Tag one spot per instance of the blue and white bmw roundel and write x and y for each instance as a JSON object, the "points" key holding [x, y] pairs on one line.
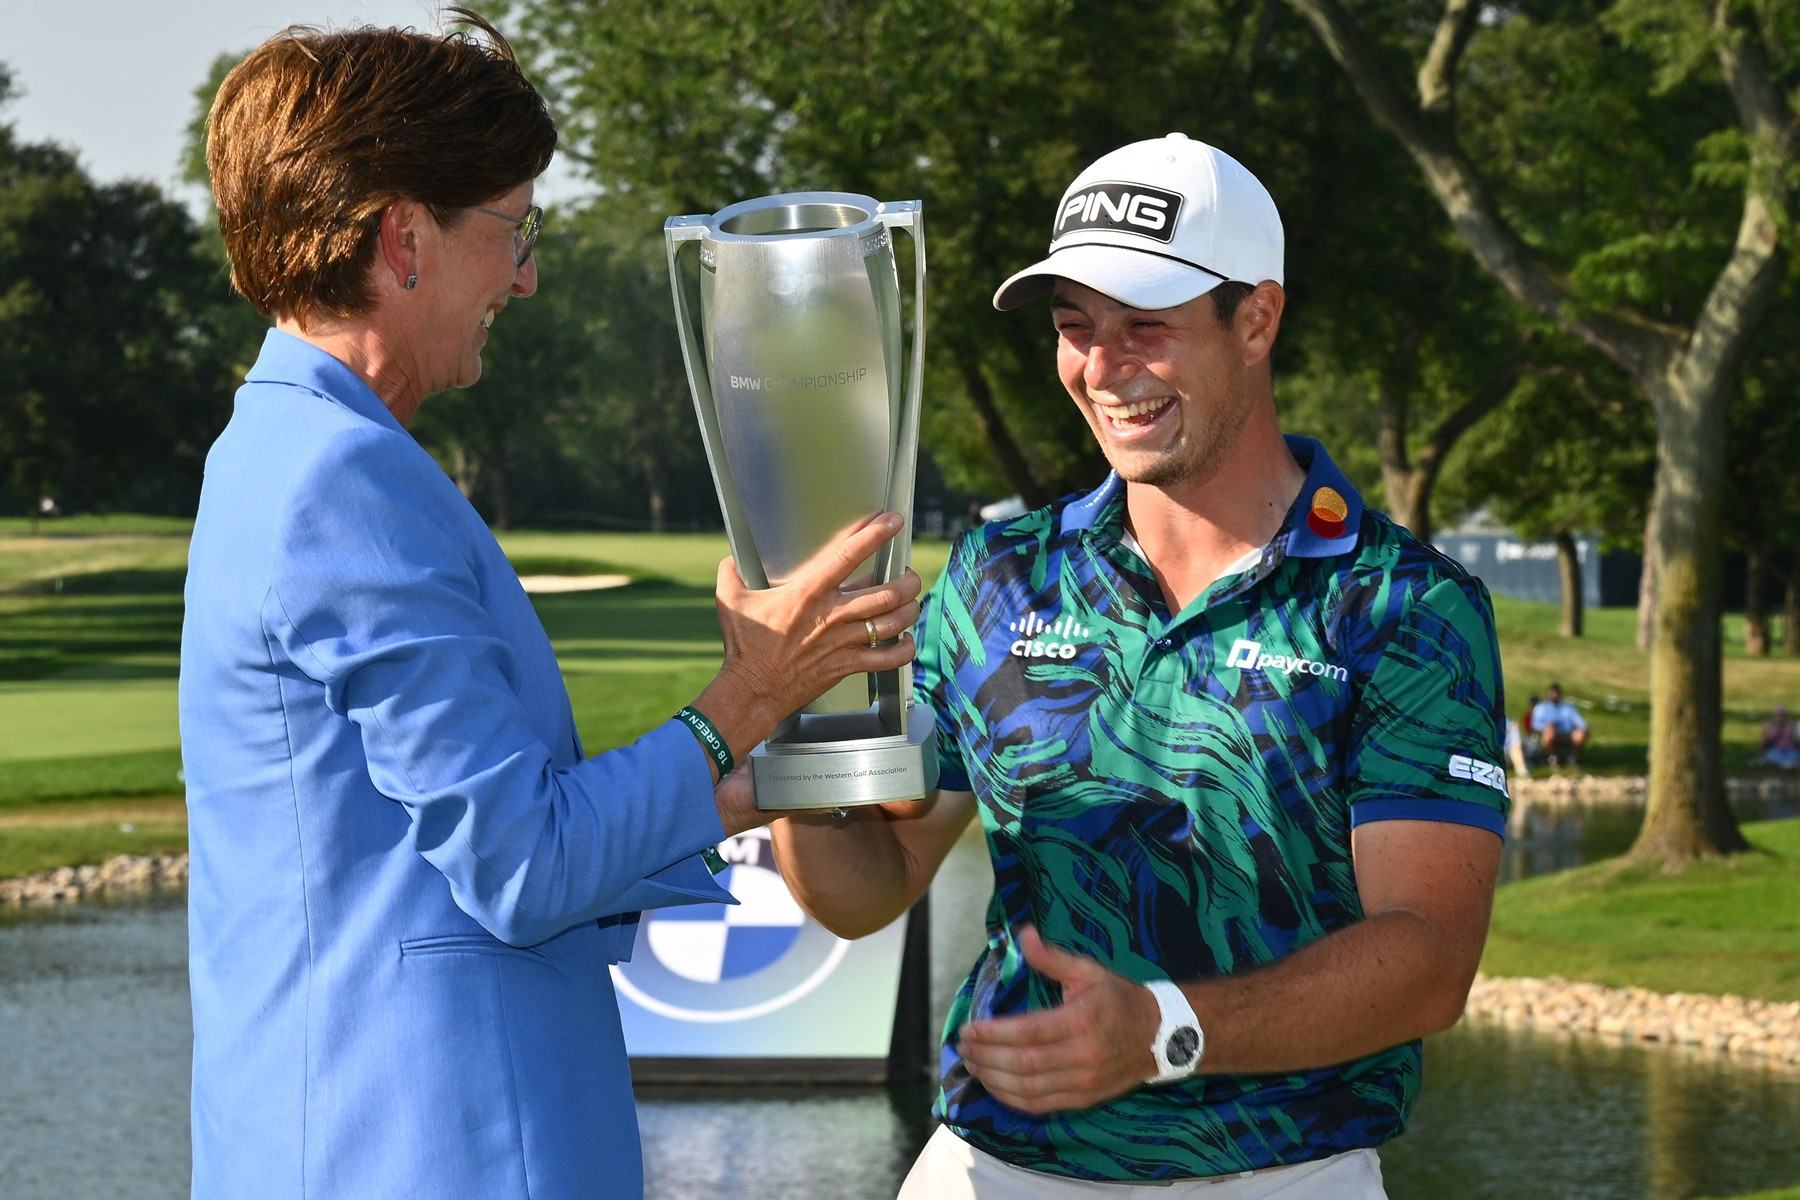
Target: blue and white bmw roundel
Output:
{"points": [[713, 942], [730, 962]]}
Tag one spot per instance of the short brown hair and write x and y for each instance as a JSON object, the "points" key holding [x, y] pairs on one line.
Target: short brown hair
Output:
{"points": [[1226, 297], [316, 132]]}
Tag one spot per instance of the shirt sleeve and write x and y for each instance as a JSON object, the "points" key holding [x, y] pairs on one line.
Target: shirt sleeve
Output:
{"points": [[1429, 725], [932, 669], [376, 600]]}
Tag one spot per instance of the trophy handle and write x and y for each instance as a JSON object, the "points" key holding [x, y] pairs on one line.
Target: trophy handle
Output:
{"points": [[677, 232], [897, 555], [893, 689]]}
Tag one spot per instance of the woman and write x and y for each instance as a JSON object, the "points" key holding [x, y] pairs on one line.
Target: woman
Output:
{"points": [[407, 882], [1779, 745]]}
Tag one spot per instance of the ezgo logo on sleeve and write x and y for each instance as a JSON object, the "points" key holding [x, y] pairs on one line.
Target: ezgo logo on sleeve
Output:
{"points": [[1247, 655], [1477, 771]]}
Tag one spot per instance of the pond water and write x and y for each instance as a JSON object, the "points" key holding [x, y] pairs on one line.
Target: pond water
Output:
{"points": [[94, 1044], [1544, 840]]}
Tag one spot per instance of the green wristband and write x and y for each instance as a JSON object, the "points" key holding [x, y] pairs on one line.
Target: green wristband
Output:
{"points": [[710, 741]]}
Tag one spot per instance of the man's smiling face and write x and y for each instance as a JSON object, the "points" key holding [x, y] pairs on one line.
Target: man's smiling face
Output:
{"points": [[1165, 391]]}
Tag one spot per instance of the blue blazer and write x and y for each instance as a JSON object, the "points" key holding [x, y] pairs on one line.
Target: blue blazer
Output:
{"points": [[407, 880]]}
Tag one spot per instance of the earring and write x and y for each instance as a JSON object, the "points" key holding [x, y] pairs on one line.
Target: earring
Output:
{"points": [[412, 281]]}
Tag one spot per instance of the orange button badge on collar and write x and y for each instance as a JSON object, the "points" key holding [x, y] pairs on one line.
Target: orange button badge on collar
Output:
{"points": [[1328, 512]]}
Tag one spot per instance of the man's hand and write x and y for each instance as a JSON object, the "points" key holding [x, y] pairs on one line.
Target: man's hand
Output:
{"points": [[1092, 1047], [736, 797]]}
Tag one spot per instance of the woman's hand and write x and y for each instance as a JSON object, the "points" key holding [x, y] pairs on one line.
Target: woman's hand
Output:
{"points": [[788, 644]]}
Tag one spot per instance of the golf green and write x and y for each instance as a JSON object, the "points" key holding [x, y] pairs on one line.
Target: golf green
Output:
{"points": [[61, 718]]}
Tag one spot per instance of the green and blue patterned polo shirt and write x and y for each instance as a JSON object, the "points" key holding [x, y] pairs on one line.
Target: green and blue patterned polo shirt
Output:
{"points": [[1173, 795]]}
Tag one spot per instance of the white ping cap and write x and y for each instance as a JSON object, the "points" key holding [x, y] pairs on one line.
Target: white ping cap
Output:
{"points": [[1155, 224]]}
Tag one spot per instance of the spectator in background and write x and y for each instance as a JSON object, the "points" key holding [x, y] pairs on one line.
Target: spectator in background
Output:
{"points": [[1531, 746], [1515, 747], [1560, 725], [1778, 743]]}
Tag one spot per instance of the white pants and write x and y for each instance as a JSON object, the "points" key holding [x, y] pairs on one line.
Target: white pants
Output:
{"points": [[951, 1169]]}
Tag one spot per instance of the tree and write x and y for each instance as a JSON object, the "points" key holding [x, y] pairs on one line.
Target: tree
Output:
{"points": [[1407, 342], [481, 432], [1661, 85], [1762, 507], [687, 106], [635, 406], [584, 381], [115, 350], [1572, 452], [985, 110]]}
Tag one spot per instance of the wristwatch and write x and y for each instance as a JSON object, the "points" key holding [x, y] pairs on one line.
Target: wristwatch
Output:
{"points": [[1180, 1043]]}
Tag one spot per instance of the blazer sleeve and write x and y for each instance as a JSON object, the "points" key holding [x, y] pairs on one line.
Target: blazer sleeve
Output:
{"points": [[374, 597]]}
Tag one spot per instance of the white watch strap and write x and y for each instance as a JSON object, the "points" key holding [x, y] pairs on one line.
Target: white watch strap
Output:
{"points": [[1180, 1043]]}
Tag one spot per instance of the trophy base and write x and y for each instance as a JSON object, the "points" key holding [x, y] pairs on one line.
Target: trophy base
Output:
{"points": [[791, 774]]}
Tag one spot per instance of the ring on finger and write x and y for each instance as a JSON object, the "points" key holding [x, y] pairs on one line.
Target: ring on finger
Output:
{"points": [[874, 637]]}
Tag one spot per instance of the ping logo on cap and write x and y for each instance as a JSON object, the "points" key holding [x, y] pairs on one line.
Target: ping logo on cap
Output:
{"points": [[1121, 208]]}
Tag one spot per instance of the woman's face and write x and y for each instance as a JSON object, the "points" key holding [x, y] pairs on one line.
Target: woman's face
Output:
{"points": [[474, 277]]}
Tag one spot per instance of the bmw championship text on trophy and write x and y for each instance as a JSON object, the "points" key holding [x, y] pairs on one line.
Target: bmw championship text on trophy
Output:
{"points": [[811, 421]]}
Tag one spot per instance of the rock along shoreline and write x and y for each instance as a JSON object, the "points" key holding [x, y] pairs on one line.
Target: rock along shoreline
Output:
{"points": [[1732, 1025], [122, 875]]}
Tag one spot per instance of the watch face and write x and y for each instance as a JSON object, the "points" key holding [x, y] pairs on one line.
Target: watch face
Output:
{"points": [[1182, 1045]]}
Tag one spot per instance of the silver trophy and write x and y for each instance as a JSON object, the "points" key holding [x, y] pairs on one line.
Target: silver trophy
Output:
{"points": [[810, 415]]}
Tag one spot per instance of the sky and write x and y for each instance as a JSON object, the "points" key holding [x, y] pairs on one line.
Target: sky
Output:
{"points": [[114, 80]]}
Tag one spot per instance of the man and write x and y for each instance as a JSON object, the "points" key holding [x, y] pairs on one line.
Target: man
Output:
{"points": [[1560, 726], [1232, 738]]}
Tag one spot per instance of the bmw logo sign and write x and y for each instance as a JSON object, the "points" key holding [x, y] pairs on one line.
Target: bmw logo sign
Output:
{"points": [[731, 962]]}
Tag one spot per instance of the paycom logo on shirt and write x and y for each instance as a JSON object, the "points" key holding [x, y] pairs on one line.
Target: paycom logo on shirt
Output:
{"points": [[1247, 655]]}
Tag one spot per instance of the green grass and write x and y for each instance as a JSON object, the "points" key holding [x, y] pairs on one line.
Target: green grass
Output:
{"points": [[90, 620], [1792, 1193], [632, 656], [685, 558], [43, 836], [143, 773], [1717, 927], [548, 564], [93, 524], [90, 625], [1609, 678]]}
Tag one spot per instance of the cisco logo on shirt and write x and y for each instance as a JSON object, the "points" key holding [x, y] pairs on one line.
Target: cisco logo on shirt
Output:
{"points": [[1120, 208], [1047, 639], [1247, 655]]}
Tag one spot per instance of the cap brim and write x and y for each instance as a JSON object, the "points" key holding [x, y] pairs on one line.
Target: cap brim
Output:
{"points": [[1129, 276]]}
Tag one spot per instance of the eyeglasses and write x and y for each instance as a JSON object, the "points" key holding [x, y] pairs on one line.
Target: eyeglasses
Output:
{"points": [[529, 226]]}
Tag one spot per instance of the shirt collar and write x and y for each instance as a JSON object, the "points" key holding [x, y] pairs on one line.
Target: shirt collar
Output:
{"points": [[1102, 507], [1325, 520], [290, 360]]}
